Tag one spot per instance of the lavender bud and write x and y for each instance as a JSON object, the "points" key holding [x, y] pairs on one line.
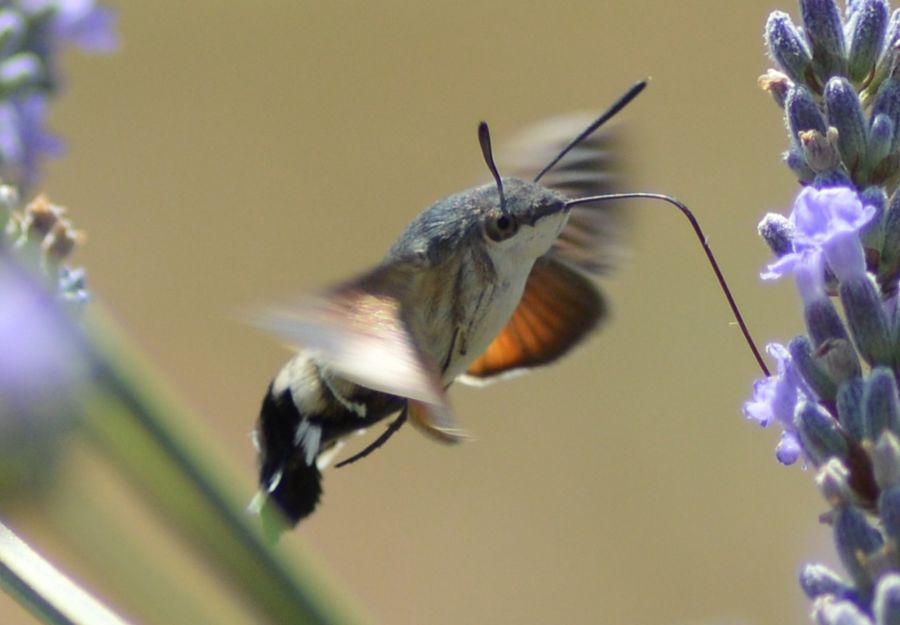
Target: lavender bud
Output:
{"points": [[881, 136], [803, 113], [778, 233], [887, 102], [823, 27], [823, 321], [886, 461], [12, 31], [817, 580], [869, 324], [890, 249], [839, 359], [889, 511], [886, 606], [895, 329], [827, 611], [787, 47], [881, 406], [813, 373], [855, 540], [870, 19], [777, 84], [850, 408], [885, 65], [872, 233], [893, 31], [833, 481], [821, 151], [820, 434], [795, 159], [845, 113], [19, 71]]}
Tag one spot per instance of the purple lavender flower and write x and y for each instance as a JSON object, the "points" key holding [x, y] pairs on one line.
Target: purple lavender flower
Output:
{"points": [[33, 33], [826, 222], [774, 400], [809, 274]]}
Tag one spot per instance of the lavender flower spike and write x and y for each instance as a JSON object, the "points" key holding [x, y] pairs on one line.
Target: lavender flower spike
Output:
{"points": [[843, 239]]}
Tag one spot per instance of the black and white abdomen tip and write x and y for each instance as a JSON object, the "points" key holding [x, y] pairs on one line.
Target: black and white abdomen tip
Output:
{"points": [[288, 474]]}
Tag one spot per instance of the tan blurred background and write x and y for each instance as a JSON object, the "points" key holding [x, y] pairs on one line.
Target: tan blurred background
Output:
{"points": [[234, 153]]}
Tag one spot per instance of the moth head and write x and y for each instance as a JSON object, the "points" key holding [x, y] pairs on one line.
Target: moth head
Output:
{"points": [[518, 217], [526, 223]]}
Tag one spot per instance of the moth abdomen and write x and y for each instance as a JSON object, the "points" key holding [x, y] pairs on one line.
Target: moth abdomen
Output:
{"points": [[304, 414], [285, 476]]}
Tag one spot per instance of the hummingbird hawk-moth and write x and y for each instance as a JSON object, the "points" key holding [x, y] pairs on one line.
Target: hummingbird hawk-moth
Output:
{"points": [[494, 280]]}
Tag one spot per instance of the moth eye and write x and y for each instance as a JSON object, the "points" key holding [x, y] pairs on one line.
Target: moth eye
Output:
{"points": [[500, 227]]}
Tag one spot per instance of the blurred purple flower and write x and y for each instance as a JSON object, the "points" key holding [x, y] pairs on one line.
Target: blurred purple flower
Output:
{"points": [[41, 372], [33, 34], [23, 139], [81, 23], [37, 354], [57, 23]]}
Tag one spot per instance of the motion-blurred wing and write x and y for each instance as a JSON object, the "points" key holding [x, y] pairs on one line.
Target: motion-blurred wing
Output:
{"points": [[558, 308], [561, 305], [359, 331], [593, 239]]}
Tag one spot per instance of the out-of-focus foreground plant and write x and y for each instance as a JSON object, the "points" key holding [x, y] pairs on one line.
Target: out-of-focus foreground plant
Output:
{"points": [[64, 386]]}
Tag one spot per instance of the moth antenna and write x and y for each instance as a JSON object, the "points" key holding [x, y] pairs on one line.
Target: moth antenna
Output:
{"points": [[617, 106], [392, 429], [484, 138], [723, 284]]}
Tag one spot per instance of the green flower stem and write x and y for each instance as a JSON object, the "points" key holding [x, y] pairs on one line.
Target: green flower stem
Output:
{"points": [[50, 595], [139, 428]]}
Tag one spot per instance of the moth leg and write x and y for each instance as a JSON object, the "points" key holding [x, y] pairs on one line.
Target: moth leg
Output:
{"points": [[392, 428]]}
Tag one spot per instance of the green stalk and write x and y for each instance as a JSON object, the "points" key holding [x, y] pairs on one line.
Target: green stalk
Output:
{"points": [[137, 427], [44, 590]]}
